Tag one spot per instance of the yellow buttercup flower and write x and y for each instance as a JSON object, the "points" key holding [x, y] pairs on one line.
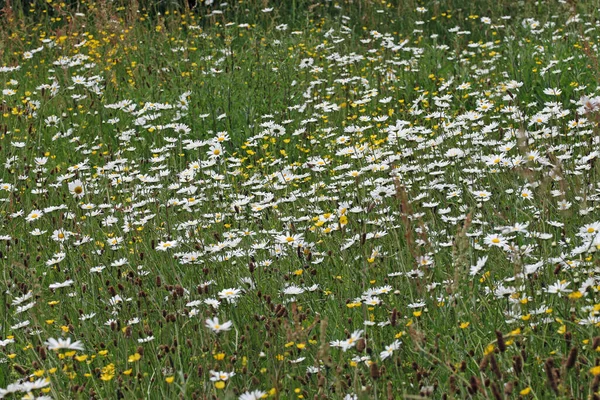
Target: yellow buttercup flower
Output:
{"points": [[219, 384]]}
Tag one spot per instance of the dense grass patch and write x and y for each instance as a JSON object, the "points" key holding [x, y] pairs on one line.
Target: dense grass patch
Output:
{"points": [[299, 199]]}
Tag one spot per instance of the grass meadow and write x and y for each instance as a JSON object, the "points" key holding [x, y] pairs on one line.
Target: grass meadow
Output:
{"points": [[329, 199]]}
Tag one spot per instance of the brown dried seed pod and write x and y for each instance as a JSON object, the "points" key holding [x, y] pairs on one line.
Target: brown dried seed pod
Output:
{"points": [[374, 371], [549, 367], [508, 388], [484, 363], [572, 358], [501, 343], [496, 392], [360, 345], [517, 365], [495, 366]]}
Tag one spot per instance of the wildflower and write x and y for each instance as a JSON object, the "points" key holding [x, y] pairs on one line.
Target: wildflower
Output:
{"points": [[293, 290], [552, 91], [455, 153], [306, 62], [474, 270], [164, 246], [39, 161], [57, 285], [215, 150], [34, 215], [590, 229], [389, 350], [223, 137], [292, 240], [589, 105], [220, 375], [495, 240], [231, 295], [254, 395], [107, 372], [214, 303], [6, 186], [348, 343], [37, 232], [482, 195], [526, 193], [564, 205], [57, 344], [76, 189], [114, 242], [217, 327], [52, 120], [525, 391], [559, 287]]}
